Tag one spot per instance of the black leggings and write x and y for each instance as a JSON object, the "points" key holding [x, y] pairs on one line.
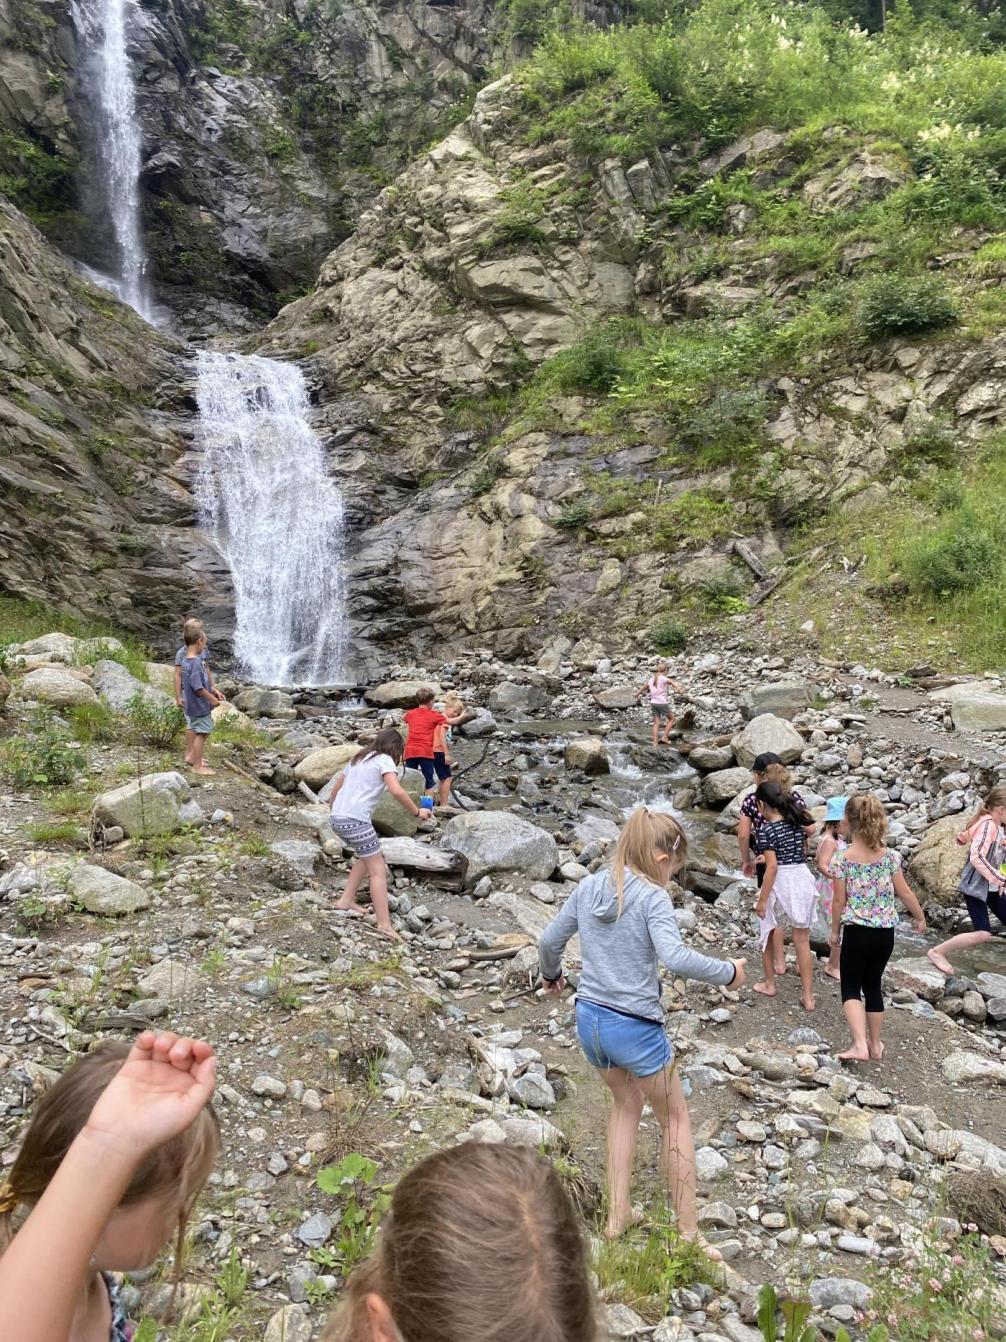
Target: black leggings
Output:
{"points": [[865, 953]]}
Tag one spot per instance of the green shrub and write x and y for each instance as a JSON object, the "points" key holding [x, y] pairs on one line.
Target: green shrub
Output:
{"points": [[93, 722], [898, 304], [594, 364], [485, 475], [152, 723], [668, 634], [933, 443], [958, 557], [575, 515], [44, 756]]}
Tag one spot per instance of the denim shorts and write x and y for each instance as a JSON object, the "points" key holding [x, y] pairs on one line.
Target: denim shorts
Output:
{"points": [[202, 726], [610, 1039]]}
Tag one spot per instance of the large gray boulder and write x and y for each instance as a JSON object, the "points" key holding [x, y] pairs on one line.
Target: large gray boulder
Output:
{"points": [[766, 733], [390, 817], [724, 785], [153, 804], [318, 766], [499, 841], [398, 693], [52, 685], [936, 865], [261, 703], [482, 724], [618, 696], [783, 698], [102, 892], [116, 687], [979, 711], [509, 698], [588, 754]]}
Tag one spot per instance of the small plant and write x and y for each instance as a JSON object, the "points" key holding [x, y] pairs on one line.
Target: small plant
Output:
{"points": [[213, 963], [93, 722], [286, 994], [898, 305], [575, 515], [486, 474], [958, 557], [232, 1279], [45, 756], [351, 1181], [933, 443], [668, 634], [35, 912], [54, 831], [153, 724], [647, 1266]]}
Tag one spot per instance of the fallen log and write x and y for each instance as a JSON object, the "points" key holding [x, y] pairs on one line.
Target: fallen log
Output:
{"points": [[440, 867], [743, 551]]}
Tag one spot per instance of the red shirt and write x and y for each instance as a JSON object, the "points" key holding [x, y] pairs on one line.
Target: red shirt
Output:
{"points": [[422, 722]]}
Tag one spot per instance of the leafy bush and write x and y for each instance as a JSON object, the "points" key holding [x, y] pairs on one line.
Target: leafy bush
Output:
{"points": [[360, 1212], [958, 557], [45, 756], [933, 443], [899, 304], [595, 363], [668, 634], [575, 515], [153, 724]]}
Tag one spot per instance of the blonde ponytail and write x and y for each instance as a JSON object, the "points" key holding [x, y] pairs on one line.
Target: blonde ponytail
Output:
{"points": [[645, 834]]}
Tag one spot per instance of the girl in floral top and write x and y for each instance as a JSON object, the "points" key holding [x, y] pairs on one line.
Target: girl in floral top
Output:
{"points": [[867, 883]]}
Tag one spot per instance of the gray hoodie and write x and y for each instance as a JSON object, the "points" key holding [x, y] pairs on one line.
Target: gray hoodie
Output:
{"points": [[620, 955]]}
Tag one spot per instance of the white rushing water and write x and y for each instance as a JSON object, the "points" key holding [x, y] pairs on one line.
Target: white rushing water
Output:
{"points": [[118, 141], [276, 515]]}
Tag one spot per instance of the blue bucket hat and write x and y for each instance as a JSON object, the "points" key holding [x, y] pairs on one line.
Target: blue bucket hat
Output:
{"points": [[836, 808]]}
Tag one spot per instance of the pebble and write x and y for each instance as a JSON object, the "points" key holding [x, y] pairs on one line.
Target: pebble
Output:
{"points": [[270, 1086]]}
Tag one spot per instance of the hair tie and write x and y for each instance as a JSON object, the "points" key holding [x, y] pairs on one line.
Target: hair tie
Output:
{"points": [[8, 1199]]}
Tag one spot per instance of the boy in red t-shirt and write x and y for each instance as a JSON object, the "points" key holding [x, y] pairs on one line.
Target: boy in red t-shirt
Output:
{"points": [[422, 723]]}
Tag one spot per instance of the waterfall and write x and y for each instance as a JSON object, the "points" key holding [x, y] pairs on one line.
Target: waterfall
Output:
{"points": [[119, 144], [276, 515]]}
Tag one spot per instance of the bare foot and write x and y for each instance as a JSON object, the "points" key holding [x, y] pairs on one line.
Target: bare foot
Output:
{"points": [[940, 961], [388, 932], [205, 772], [700, 1242], [188, 761], [808, 1001], [877, 1052], [766, 989], [855, 1055], [353, 910], [618, 1225], [780, 969], [832, 973]]}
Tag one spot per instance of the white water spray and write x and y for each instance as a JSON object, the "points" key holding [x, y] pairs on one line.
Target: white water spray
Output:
{"points": [[276, 515], [103, 24]]}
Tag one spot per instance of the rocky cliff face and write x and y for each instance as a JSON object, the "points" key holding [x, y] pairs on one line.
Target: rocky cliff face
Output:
{"points": [[96, 516]]}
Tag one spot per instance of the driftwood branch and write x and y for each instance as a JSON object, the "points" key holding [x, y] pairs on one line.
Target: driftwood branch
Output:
{"points": [[744, 551]]}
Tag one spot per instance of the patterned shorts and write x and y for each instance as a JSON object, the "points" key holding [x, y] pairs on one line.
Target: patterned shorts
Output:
{"points": [[360, 835]]}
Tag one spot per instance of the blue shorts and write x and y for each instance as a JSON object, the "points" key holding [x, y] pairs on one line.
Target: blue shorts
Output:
{"points": [[978, 910], [202, 726], [432, 769], [610, 1039]]}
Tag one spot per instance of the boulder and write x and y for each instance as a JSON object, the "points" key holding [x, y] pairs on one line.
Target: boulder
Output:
{"points": [[588, 754], [619, 696], [936, 865], [115, 686], [289, 1324], [961, 1068], [231, 715], [783, 698], [764, 733], [828, 1292], [723, 785], [261, 703], [499, 841], [595, 827], [511, 698], [920, 976], [153, 804], [51, 685], [162, 676], [729, 817], [482, 724], [318, 766], [979, 711], [301, 854], [100, 891], [168, 980], [390, 818], [398, 693], [712, 757]]}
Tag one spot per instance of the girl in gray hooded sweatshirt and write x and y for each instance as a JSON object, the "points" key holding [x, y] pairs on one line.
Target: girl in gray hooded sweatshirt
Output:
{"points": [[627, 929]]}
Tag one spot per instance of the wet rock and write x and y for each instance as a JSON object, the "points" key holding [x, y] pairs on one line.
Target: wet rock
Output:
{"points": [[588, 754]]}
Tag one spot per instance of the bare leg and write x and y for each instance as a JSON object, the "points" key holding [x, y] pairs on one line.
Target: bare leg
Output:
{"points": [[767, 985], [190, 737], [805, 964], [831, 969], [777, 940], [667, 1100], [938, 954], [874, 1024], [377, 872], [855, 1015], [445, 792], [198, 746], [347, 900], [656, 729], [668, 724], [623, 1127]]}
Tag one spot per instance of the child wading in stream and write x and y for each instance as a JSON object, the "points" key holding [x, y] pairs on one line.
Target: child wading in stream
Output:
{"points": [[834, 839], [627, 929], [354, 799], [660, 709], [788, 889], [982, 881], [765, 768], [868, 885]]}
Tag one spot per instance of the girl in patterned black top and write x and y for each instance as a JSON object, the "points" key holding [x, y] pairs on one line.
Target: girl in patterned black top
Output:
{"points": [[788, 890], [112, 1162]]}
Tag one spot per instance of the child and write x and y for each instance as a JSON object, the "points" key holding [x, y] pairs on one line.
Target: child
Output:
{"points": [[788, 887], [198, 701], [114, 1157], [868, 883], [422, 723], [204, 655], [834, 839], [765, 768], [354, 798], [660, 709], [454, 708], [984, 890], [627, 928], [481, 1242]]}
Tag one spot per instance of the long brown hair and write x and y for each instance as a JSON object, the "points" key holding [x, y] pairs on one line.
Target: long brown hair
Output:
{"points": [[867, 819], [386, 742], [481, 1242], [184, 1162], [645, 834]]}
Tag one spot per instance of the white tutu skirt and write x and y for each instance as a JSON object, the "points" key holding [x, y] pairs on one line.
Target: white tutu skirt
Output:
{"points": [[793, 899]]}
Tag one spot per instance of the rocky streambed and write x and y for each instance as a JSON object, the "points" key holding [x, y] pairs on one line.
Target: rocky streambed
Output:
{"points": [[136, 896]]}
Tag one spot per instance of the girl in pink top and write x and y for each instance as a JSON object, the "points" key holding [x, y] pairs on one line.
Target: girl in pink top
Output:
{"points": [[656, 687]]}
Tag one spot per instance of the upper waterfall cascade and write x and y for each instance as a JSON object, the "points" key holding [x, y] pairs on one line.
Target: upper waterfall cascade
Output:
{"points": [[276, 515]]}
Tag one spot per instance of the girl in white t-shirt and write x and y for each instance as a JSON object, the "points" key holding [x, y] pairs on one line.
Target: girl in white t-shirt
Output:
{"points": [[660, 710], [354, 797]]}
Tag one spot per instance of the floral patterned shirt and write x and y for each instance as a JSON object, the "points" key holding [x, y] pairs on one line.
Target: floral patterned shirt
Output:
{"points": [[869, 889], [121, 1331]]}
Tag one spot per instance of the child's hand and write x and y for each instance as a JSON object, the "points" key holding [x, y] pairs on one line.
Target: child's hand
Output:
{"points": [[919, 923], [156, 1093], [760, 908], [179, 702], [740, 973], [748, 868], [836, 937], [220, 697], [555, 989]]}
